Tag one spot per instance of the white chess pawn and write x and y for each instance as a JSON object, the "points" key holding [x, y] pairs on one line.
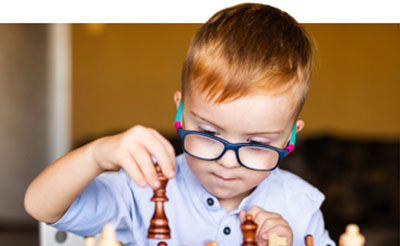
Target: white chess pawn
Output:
{"points": [[275, 240], [90, 241], [352, 236], [108, 236]]}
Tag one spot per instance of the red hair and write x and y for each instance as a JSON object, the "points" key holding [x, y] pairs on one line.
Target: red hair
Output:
{"points": [[245, 49]]}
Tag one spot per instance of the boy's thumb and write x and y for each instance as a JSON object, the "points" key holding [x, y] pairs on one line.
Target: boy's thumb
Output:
{"points": [[242, 216]]}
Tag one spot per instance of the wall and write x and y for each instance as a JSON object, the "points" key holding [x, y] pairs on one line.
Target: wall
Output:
{"points": [[355, 86], [23, 99], [125, 74]]}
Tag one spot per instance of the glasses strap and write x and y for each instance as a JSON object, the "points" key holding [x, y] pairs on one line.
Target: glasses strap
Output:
{"points": [[292, 140], [179, 116]]}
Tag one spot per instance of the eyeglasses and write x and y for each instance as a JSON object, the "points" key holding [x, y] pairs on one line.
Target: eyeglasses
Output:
{"points": [[254, 156]]}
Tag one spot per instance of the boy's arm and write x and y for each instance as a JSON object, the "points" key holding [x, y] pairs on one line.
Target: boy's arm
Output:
{"points": [[54, 190]]}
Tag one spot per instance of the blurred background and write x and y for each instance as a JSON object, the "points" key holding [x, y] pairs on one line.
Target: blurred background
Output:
{"points": [[62, 86]]}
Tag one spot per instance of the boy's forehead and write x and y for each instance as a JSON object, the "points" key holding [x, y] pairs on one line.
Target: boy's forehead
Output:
{"points": [[272, 112]]}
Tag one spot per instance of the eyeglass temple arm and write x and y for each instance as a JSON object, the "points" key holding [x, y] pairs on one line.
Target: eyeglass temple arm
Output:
{"points": [[178, 116], [292, 140]]}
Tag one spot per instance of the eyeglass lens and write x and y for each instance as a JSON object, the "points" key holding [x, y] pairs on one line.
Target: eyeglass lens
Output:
{"points": [[251, 156]]}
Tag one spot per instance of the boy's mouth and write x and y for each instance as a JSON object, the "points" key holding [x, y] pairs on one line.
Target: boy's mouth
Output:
{"points": [[224, 178]]}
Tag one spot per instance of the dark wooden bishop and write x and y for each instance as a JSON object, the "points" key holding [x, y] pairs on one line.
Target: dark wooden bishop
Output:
{"points": [[159, 228], [249, 229]]}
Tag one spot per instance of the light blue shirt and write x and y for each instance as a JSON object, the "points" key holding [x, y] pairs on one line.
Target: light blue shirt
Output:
{"points": [[194, 215]]}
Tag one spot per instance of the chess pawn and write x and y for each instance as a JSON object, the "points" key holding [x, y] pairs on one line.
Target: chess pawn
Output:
{"points": [[159, 228], [309, 240], [352, 236], [90, 241], [275, 240], [108, 236], [249, 231]]}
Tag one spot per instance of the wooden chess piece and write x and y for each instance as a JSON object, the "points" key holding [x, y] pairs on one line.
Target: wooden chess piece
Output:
{"points": [[210, 244], [275, 240], [309, 241], [159, 228], [249, 231], [108, 236], [90, 241], [352, 236]]}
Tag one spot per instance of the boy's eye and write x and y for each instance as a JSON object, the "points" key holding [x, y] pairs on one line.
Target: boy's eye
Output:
{"points": [[208, 132], [257, 142]]}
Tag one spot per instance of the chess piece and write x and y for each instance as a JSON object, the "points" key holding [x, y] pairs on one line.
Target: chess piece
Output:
{"points": [[108, 236], [162, 244], [249, 231], [90, 241], [211, 244], [309, 241], [352, 236], [275, 240], [159, 228]]}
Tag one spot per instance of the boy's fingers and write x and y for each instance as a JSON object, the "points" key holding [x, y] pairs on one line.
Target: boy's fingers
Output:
{"points": [[132, 169], [242, 216], [157, 148], [265, 228], [146, 165], [254, 210], [167, 145], [260, 216], [277, 226]]}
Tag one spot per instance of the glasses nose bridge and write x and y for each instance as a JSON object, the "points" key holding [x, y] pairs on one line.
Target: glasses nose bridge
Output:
{"points": [[229, 146]]}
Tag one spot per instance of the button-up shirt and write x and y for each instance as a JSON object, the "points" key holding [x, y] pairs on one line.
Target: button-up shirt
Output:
{"points": [[195, 216]]}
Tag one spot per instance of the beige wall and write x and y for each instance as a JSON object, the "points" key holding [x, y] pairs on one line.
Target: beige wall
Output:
{"points": [[356, 84], [23, 115], [126, 74]]}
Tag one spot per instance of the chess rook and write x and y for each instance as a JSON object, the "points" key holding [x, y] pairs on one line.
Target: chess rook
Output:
{"points": [[249, 231], [159, 228]]}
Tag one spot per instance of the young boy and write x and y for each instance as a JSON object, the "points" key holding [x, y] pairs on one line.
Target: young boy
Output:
{"points": [[244, 82]]}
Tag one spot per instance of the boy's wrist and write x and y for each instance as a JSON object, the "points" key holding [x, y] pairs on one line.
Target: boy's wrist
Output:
{"points": [[95, 153]]}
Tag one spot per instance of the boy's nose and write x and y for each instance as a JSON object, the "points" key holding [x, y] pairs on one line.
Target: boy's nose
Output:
{"points": [[228, 160]]}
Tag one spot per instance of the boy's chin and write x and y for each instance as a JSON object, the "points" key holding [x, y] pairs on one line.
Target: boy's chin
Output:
{"points": [[228, 195]]}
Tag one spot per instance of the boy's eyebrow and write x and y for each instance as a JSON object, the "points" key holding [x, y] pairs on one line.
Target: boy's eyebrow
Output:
{"points": [[198, 116], [253, 133]]}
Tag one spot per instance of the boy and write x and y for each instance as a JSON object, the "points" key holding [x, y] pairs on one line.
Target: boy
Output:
{"points": [[244, 82]]}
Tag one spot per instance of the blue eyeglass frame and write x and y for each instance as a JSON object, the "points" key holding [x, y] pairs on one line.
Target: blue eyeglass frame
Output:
{"points": [[233, 146]]}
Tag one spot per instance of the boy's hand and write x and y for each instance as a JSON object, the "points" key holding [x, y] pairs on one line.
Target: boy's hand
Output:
{"points": [[132, 151], [268, 223]]}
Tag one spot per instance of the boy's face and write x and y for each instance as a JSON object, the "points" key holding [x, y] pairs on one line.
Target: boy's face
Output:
{"points": [[255, 118]]}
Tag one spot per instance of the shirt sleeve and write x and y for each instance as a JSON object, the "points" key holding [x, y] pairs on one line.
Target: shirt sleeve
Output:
{"points": [[106, 199], [316, 228]]}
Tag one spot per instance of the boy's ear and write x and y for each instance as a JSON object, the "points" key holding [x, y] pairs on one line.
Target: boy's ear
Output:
{"points": [[177, 98], [299, 125]]}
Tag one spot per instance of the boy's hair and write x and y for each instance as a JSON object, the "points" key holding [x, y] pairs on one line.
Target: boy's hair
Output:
{"points": [[247, 48]]}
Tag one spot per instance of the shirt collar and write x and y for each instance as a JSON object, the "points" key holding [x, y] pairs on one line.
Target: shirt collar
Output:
{"points": [[197, 191]]}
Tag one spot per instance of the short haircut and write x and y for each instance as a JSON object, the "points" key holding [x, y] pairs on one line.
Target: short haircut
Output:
{"points": [[248, 48]]}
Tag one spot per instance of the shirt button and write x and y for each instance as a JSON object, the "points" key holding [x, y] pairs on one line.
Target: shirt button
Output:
{"points": [[210, 201], [227, 230]]}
